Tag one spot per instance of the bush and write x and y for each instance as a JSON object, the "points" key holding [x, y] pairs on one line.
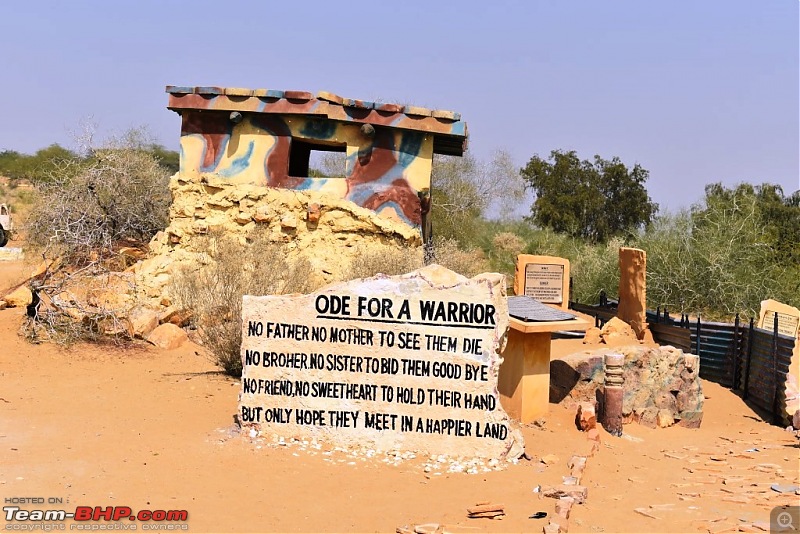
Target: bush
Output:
{"points": [[214, 291], [393, 261], [88, 206]]}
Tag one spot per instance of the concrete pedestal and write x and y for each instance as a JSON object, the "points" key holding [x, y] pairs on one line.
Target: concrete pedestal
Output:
{"points": [[524, 381]]}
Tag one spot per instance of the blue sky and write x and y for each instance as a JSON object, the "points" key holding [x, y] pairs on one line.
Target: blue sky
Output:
{"points": [[696, 92]]}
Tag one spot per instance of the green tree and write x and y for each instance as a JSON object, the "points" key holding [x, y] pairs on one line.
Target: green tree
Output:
{"points": [[169, 159], [594, 200], [38, 167]]}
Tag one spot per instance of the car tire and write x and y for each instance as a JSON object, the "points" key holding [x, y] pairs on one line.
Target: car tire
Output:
{"points": [[3, 237]]}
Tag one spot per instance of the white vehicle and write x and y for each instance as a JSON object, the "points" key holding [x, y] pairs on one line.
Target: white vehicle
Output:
{"points": [[6, 226]]}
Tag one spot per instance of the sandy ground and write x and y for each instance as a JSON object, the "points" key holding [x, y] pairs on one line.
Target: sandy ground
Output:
{"points": [[150, 429]]}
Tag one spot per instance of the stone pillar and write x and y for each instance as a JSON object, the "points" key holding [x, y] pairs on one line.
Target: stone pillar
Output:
{"points": [[613, 393], [632, 289]]}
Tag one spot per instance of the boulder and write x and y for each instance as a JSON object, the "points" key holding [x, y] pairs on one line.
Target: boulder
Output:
{"points": [[617, 332], [19, 298], [168, 336], [143, 321]]}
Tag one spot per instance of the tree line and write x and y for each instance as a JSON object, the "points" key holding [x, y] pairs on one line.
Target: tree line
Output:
{"points": [[723, 255]]}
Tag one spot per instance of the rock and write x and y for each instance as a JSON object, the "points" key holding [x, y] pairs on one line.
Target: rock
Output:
{"points": [[647, 338], [132, 253], [690, 419], [168, 336], [549, 459], [649, 418], [665, 418], [181, 317], [578, 493], [617, 332], [264, 214], [143, 321], [288, 222], [784, 488], [313, 213], [564, 505], [19, 298], [796, 420], [586, 418], [592, 336], [645, 512], [3, 305]]}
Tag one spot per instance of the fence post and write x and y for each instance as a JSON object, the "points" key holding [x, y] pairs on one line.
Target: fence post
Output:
{"points": [[697, 336], [749, 356], [776, 417], [658, 314], [736, 355], [666, 315]]}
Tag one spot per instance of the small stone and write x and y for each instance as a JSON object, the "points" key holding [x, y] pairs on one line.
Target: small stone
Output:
{"points": [[313, 213], [646, 513], [288, 222], [578, 493], [586, 417], [549, 459], [592, 336], [665, 418], [784, 488]]}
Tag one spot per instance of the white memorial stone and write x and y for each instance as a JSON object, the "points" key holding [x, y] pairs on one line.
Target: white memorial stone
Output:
{"points": [[393, 363]]}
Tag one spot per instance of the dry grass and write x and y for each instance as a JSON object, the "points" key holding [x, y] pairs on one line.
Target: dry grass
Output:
{"points": [[214, 291]]}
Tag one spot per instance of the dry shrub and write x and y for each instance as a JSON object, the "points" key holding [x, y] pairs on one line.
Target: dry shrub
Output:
{"points": [[214, 291], [507, 246], [448, 253], [395, 261], [370, 261]]}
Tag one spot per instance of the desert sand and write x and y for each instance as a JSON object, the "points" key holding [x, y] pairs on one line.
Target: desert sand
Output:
{"points": [[151, 429]]}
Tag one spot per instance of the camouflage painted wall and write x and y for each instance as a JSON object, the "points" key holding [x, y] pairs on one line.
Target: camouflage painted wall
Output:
{"points": [[384, 172], [261, 137]]}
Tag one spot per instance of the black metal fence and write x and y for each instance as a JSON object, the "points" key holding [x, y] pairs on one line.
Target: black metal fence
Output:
{"points": [[739, 356]]}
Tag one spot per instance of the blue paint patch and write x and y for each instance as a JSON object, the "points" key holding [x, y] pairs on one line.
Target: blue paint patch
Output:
{"points": [[360, 193], [319, 129], [312, 184], [208, 90], [410, 145], [398, 210], [350, 162], [274, 93], [239, 164], [458, 128]]}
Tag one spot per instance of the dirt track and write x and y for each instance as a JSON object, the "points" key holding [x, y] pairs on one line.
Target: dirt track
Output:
{"points": [[149, 429]]}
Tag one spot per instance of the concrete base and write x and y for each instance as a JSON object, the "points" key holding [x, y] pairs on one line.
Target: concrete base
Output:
{"points": [[524, 381]]}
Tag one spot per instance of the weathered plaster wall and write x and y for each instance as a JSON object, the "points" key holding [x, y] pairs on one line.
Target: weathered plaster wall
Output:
{"points": [[327, 231]]}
